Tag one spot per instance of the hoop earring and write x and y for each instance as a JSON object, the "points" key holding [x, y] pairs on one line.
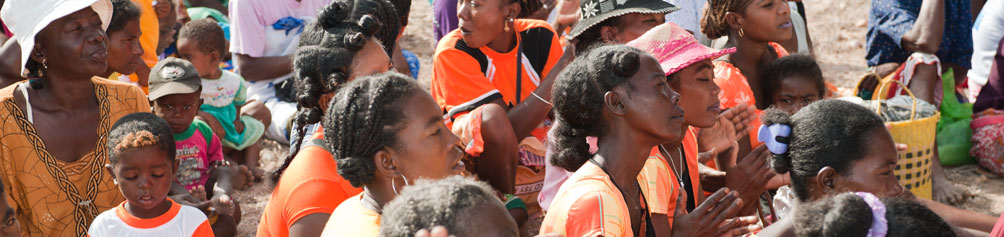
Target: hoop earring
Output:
{"points": [[393, 186]]}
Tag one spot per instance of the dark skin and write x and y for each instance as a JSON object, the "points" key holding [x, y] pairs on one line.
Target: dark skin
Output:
{"points": [[124, 50], [634, 128], [10, 227], [262, 68], [874, 173], [795, 92], [482, 23], [698, 96], [65, 109], [10, 57], [144, 177], [370, 60], [632, 26], [425, 149]]}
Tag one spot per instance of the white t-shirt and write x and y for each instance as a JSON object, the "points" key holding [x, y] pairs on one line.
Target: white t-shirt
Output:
{"points": [[180, 220], [988, 28]]}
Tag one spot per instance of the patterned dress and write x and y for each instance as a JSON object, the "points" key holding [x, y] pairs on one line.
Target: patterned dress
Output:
{"points": [[53, 197]]}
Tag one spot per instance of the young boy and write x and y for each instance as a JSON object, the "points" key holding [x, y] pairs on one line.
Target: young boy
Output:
{"points": [[239, 124], [175, 88], [141, 161]]}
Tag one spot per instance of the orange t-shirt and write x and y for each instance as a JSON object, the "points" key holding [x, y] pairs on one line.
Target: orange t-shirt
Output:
{"points": [[588, 204], [309, 185], [464, 78], [659, 183], [179, 220], [150, 26], [736, 90]]}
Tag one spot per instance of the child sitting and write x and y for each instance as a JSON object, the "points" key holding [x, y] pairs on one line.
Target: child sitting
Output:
{"points": [[174, 93], [463, 206], [792, 82], [203, 44], [141, 161]]}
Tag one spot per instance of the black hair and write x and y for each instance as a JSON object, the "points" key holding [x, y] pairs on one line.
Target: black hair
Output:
{"points": [[593, 37], [527, 7], [139, 130], [450, 202], [825, 133], [802, 66], [325, 57], [713, 22], [123, 11], [207, 34], [403, 8], [363, 118], [578, 99], [847, 214]]}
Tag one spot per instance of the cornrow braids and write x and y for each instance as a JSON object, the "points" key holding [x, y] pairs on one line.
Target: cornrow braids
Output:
{"points": [[578, 99], [139, 130], [207, 34], [324, 60], [825, 133], [527, 7], [365, 117], [713, 22], [123, 11]]}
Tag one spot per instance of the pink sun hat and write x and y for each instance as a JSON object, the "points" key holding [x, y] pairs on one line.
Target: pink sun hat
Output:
{"points": [[674, 47]]}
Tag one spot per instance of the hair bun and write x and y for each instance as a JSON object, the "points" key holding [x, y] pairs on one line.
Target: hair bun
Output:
{"points": [[625, 64], [333, 14], [368, 24], [354, 40]]}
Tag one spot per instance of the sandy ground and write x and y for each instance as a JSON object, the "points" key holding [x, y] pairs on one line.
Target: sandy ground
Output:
{"points": [[837, 29]]}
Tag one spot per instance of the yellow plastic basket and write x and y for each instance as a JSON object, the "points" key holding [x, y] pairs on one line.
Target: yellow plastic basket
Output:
{"points": [[914, 166]]}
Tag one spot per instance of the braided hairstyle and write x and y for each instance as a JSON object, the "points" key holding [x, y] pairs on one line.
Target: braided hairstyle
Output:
{"points": [[847, 214], [713, 22], [450, 202], [325, 58], [527, 7], [139, 130], [578, 99], [831, 133], [365, 117]]}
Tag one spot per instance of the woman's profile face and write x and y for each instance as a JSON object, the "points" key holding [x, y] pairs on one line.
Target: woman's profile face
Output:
{"points": [[651, 105], [874, 172], [425, 147], [369, 60], [73, 46], [767, 20], [698, 93]]}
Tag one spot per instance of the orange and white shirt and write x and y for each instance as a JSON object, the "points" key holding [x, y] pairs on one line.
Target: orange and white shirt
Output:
{"points": [[659, 182], [464, 78], [589, 204], [180, 220]]}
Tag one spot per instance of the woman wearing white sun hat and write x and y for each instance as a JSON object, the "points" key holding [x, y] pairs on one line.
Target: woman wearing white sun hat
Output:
{"points": [[55, 124]]}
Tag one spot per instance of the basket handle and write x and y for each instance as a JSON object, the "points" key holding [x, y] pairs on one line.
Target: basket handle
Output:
{"points": [[881, 91]]}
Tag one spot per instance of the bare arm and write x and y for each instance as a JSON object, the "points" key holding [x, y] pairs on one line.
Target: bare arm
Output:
{"points": [[925, 36], [262, 68], [310, 225], [528, 114], [960, 217]]}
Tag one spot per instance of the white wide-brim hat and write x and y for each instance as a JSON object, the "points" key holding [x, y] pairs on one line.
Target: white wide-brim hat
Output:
{"points": [[25, 18]]}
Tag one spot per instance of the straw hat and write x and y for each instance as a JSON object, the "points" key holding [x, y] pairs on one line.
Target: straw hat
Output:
{"points": [[596, 11], [674, 47], [25, 18]]}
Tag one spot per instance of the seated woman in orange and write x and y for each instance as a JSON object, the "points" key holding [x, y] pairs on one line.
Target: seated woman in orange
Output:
{"points": [[381, 129], [673, 167], [492, 77], [321, 67], [609, 93]]}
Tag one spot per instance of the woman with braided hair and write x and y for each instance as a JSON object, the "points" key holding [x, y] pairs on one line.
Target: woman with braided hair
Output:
{"points": [[385, 133], [341, 46]]}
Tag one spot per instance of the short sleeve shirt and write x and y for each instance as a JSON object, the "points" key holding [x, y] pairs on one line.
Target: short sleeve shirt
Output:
{"points": [[659, 182], [250, 19], [464, 78], [588, 204], [180, 220], [889, 20], [197, 148]]}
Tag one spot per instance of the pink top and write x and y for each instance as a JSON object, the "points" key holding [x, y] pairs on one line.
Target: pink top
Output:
{"points": [[250, 19], [196, 148]]}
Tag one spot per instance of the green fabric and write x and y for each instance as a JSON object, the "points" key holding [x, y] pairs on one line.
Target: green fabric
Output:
{"points": [[514, 202], [253, 130], [954, 134], [197, 13], [207, 132]]}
